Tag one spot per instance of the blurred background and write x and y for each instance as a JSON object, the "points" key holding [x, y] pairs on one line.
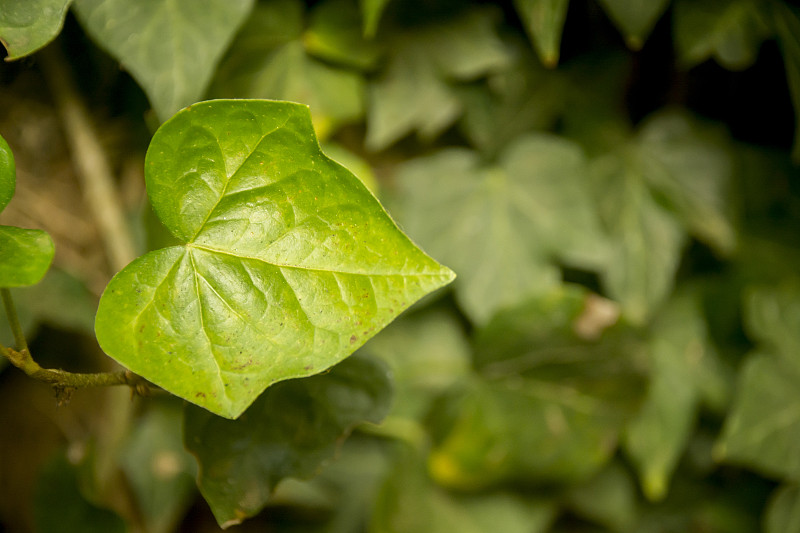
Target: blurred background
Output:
{"points": [[615, 184]]}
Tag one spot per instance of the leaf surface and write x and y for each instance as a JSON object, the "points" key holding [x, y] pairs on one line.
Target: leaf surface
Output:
{"points": [[288, 432], [289, 264], [503, 227], [169, 46], [544, 21], [27, 26]]}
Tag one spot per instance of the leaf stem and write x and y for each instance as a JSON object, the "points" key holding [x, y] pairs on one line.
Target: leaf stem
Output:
{"points": [[60, 379], [13, 319]]}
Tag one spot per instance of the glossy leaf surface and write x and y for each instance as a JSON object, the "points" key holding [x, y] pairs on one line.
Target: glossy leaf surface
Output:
{"points": [[169, 46], [25, 254], [288, 432], [289, 262], [503, 227], [544, 20], [27, 26]]}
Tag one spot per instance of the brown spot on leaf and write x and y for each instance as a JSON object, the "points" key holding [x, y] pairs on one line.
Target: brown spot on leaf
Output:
{"points": [[353, 339]]}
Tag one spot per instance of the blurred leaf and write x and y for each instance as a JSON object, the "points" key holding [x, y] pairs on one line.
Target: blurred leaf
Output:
{"points": [[508, 512], [692, 169], [427, 353], [59, 506], [268, 59], [519, 99], [772, 318], [551, 391], [504, 227], [408, 502], [763, 426], [634, 19], [289, 431], [730, 31], [415, 91], [674, 177], [161, 472], [656, 438], [334, 34], [609, 498], [544, 22], [25, 254], [537, 431], [371, 11], [288, 263], [783, 512], [786, 20], [169, 46], [27, 26]]}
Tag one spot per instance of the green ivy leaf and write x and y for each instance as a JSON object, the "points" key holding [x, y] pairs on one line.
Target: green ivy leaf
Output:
{"points": [[783, 511], [289, 262], [288, 432], [25, 27], [786, 20], [269, 59], [160, 471], [571, 414], [503, 227], [634, 19], [609, 498], [544, 21], [415, 91], [25, 254], [169, 46], [730, 31], [763, 425], [656, 438]]}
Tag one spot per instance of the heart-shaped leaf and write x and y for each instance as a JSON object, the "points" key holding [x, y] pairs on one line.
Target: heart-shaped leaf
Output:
{"points": [[288, 264], [25, 254]]}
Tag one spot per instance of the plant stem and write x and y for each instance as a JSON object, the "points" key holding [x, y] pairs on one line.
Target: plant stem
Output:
{"points": [[13, 320]]}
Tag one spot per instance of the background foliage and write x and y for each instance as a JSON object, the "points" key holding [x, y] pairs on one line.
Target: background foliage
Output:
{"points": [[613, 184]]}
